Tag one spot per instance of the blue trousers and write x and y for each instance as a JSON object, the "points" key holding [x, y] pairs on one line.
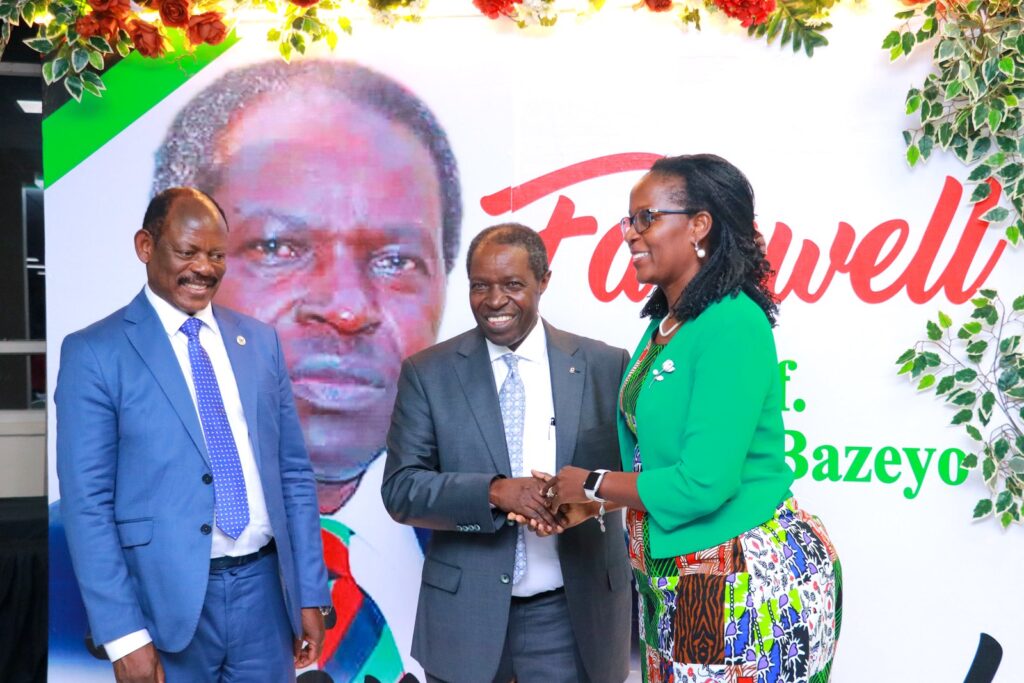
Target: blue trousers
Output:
{"points": [[243, 635]]}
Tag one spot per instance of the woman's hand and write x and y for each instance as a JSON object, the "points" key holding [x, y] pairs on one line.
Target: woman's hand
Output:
{"points": [[566, 487]]}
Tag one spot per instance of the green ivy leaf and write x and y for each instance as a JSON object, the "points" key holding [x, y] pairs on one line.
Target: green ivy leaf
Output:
{"points": [[913, 104], [1000, 449], [931, 359], [968, 330], [981, 192], [100, 44], [945, 384], [907, 355], [1018, 303], [995, 215], [1010, 171], [934, 332], [890, 41], [913, 155], [73, 84], [988, 293], [926, 382], [1006, 65], [980, 172], [1013, 234], [944, 321], [907, 367], [973, 432], [965, 398], [96, 59], [1003, 501], [966, 375], [988, 470], [962, 416], [983, 508], [977, 348], [94, 78], [1016, 464], [41, 45], [1006, 519], [1008, 379], [954, 88], [970, 461]]}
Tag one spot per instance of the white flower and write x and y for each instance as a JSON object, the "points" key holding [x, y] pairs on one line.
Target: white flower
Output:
{"points": [[668, 366]]}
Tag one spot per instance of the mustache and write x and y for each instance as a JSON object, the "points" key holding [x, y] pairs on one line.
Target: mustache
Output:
{"points": [[198, 280]]}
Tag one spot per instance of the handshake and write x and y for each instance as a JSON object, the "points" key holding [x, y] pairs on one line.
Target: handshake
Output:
{"points": [[548, 504]]}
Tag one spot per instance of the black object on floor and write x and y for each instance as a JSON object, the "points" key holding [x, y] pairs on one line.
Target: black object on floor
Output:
{"points": [[23, 579]]}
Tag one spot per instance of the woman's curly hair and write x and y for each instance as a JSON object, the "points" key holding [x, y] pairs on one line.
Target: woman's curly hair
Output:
{"points": [[736, 259]]}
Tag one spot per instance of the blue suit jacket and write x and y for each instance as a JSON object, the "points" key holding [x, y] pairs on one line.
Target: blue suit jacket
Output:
{"points": [[131, 459]]}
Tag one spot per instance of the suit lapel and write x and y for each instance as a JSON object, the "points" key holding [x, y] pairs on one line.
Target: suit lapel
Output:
{"points": [[147, 335], [239, 353], [568, 374], [473, 368]]}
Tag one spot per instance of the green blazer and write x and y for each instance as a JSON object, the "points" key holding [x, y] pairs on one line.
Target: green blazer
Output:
{"points": [[710, 433]]}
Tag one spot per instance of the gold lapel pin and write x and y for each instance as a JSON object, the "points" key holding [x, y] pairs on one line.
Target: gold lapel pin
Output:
{"points": [[241, 340]]}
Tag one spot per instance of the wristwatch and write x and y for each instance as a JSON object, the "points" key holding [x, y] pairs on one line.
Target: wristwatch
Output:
{"points": [[593, 484]]}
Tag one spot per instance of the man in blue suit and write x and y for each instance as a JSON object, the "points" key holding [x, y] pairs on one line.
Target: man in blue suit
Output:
{"points": [[186, 492]]}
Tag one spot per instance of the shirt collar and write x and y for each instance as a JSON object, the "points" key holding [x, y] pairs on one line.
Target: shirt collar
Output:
{"points": [[534, 348], [172, 318]]}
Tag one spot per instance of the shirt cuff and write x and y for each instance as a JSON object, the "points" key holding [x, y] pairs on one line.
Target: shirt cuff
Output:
{"points": [[125, 645]]}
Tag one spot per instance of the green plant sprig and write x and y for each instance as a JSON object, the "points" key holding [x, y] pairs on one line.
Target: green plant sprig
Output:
{"points": [[800, 22], [979, 372], [972, 104]]}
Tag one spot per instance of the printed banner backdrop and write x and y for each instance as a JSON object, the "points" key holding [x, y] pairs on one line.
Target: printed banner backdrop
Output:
{"points": [[552, 128]]}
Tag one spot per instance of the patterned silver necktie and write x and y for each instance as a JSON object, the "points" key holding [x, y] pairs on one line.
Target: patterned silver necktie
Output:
{"points": [[231, 505], [512, 399]]}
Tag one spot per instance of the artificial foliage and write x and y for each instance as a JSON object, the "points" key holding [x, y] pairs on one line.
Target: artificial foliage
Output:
{"points": [[78, 38], [977, 368], [970, 104]]}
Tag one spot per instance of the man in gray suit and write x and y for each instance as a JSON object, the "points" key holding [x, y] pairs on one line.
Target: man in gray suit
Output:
{"points": [[474, 415]]}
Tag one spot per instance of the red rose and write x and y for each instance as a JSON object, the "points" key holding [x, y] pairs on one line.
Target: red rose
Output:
{"points": [[147, 38], [174, 13], [496, 8], [87, 26], [303, 3], [109, 25], [208, 28], [117, 7], [658, 5], [749, 12]]}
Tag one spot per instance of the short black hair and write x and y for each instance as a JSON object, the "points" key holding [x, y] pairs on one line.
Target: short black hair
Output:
{"points": [[736, 258], [160, 205], [186, 155], [514, 234]]}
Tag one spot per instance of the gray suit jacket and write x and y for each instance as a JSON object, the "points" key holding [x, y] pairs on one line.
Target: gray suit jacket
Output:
{"points": [[445, 445]]}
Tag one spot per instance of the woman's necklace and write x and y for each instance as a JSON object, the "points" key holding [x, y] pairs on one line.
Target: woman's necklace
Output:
{"points": [[664, 332]]}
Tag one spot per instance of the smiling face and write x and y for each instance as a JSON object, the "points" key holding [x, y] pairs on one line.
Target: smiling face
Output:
{"points": [[504, 293], [336, 241], [185, 266], [664, 254]]}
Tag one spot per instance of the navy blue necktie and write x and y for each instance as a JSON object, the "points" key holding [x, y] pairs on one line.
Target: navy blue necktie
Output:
{"points": [[231, 507]]}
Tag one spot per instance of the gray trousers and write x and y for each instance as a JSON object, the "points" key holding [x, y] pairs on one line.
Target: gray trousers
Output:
{"points": [[539, 644]]}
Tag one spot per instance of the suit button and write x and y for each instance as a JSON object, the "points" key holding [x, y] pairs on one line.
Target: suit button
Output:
{"points": [[206, 529], [207, 478], [476, 527], [505, 578]]}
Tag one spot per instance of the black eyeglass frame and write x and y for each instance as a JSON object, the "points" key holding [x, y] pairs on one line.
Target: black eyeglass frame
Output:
{"points": [[637, 224]]}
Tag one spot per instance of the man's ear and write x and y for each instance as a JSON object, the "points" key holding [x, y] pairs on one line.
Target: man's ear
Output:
{"points": [[544, 281], [144, 245]]}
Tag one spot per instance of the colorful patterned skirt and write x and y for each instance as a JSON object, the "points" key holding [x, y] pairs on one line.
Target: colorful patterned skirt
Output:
{"points": [[763, 607]]}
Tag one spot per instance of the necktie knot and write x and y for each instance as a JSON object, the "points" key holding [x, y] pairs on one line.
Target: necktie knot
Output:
{"points": [[191, 327], [512, 361]]}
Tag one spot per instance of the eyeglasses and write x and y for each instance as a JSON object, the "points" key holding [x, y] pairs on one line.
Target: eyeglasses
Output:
{"points": [[642, 219]]}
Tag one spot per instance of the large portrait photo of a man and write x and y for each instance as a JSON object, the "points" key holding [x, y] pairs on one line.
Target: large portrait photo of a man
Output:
{"points": [[342, 198]]}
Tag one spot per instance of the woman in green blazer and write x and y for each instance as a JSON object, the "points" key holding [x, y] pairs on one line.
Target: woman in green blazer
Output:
{"points": [[737, 583]]}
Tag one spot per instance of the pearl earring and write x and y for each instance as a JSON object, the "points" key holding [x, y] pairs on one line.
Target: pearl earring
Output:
{"points": [[700, 250]]}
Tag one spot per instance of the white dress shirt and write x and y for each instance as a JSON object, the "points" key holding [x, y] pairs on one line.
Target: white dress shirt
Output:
{"points": [[543, 571], [385, 558], [258, 532]]}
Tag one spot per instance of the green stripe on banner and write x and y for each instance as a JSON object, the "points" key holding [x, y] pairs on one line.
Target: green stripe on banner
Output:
{"points": [[134, 86]]}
